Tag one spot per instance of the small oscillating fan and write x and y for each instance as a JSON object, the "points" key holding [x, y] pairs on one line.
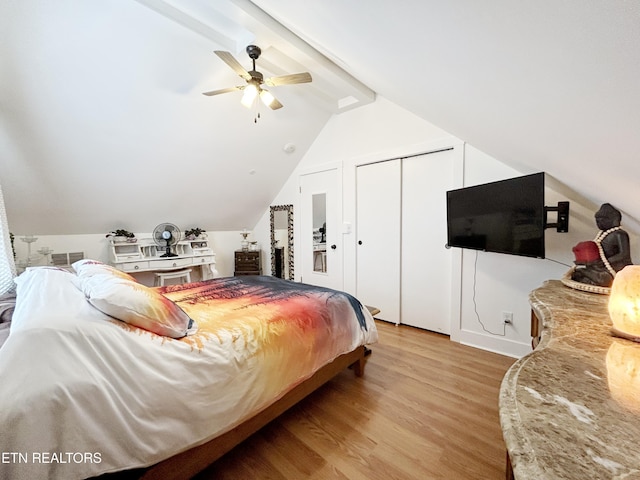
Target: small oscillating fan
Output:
{"points": [[166, 235]]}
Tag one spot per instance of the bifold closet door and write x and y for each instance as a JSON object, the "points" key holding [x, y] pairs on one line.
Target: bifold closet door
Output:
{"points": [[426, 263], [378, 237]]}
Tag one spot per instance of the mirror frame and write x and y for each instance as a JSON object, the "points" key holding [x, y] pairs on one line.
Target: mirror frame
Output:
{"points": [[289, 259]]}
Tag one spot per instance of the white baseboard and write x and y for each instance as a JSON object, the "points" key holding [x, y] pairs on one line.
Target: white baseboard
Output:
{"points": [[495, 344]]}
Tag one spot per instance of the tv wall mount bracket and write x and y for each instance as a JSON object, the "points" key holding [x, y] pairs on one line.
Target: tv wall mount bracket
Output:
{"points": [[562, 221]]}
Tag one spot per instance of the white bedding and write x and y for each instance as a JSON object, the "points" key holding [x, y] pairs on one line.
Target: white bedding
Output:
{"points": [[80, 395]]}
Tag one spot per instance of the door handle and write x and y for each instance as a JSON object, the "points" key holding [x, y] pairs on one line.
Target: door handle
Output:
{"points": [[359, 242], [333, 247]]}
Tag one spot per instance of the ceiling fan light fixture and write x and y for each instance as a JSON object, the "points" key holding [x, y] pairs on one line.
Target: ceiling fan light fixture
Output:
{"points": [[267, 98], [255, 80], [250, 93]]}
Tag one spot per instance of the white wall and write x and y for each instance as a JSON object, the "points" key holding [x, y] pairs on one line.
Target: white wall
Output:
{"points": [[502, 282], [380, 130], [93, 245]]}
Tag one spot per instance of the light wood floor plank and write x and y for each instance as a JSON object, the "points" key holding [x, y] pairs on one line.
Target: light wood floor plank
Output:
{"points": [[426, 408]]}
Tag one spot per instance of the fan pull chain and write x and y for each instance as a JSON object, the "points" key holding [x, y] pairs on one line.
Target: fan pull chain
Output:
{"points": [[257, 115]]}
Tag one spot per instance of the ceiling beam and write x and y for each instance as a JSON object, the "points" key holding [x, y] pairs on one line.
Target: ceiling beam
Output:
{"points": [[191, 23], [361, 94]]}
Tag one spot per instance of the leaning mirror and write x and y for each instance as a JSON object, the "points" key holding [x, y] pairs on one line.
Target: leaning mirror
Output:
{"points": [[282, 241]]}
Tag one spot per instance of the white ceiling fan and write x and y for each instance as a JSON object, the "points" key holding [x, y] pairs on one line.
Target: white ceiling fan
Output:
{"points": [[255, 80]]}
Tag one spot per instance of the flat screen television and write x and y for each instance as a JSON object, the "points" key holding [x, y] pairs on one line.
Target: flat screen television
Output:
{"points": [[507, 216]]}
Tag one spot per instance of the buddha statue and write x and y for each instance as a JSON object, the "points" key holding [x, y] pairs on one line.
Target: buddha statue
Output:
{"points": [[598, 261]]}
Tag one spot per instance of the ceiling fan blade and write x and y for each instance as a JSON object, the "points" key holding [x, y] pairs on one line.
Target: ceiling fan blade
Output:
{"points": [[222, 90], [229, 59], [289, 79]]}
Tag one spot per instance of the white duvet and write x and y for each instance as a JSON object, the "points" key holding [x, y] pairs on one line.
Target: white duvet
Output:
{"points": [[81, 396]]}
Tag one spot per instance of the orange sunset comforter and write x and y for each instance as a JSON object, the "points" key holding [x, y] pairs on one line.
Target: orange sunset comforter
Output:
{"points": [[82, 393]]}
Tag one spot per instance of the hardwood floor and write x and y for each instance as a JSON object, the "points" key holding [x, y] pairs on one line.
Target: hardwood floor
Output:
{"points": [[426, 408]]}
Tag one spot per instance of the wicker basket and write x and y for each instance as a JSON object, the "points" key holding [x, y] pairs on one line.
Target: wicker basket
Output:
{"points": [[585, 287]]}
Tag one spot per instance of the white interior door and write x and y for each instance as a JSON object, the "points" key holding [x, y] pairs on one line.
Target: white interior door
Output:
{"points": [[378, 237], [426, 263], [320, 228]]}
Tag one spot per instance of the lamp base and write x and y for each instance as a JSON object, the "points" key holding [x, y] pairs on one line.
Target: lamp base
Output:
{"points": [[618, 333]]}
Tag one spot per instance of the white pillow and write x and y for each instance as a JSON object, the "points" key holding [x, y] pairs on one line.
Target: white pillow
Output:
{"points": [[136, 304], [87, 268]]}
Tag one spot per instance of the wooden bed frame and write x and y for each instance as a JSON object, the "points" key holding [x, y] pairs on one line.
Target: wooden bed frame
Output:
{"points": [[187, 464]]}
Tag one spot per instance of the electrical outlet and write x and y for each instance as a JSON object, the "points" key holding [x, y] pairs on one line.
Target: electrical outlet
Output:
{"points": [[507, 317]]}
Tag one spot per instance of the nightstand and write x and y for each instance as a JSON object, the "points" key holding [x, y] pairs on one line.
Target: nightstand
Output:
{"points": [[247, 263]]}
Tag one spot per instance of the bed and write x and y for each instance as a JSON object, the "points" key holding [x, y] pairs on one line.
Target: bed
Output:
{"points": [[88, 388]]}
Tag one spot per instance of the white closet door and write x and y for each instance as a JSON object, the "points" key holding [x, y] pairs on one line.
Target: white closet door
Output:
{"points": [[378, 237], [426, 264]]}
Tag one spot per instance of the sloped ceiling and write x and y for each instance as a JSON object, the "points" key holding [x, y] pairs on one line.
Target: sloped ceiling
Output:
{"points": [[104, 124], [101, 104], [546, 85]]}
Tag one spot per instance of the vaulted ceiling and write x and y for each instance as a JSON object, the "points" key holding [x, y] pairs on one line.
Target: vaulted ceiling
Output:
{"points": [[104, 123]]}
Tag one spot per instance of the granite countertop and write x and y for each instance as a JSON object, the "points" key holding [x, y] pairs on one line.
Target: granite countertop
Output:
{"points": [[571, 408]]}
